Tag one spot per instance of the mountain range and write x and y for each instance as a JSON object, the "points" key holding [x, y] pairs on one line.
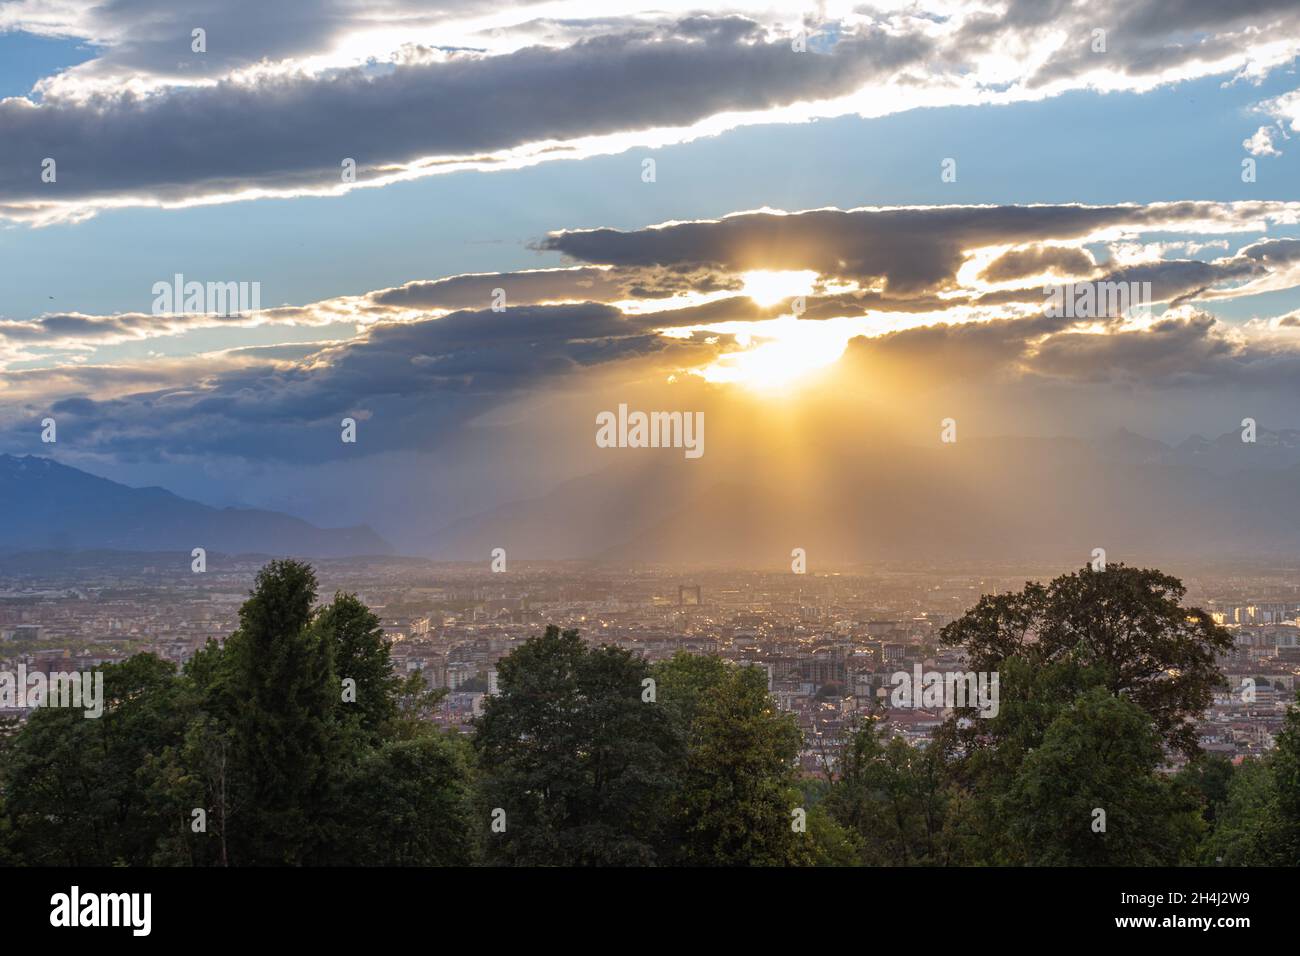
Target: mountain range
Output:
{"points": [[843, 502], [45, 505]]}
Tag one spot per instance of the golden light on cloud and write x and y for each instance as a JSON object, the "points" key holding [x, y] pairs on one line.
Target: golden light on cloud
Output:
{"points": [[769, 286], [781, 353], [778, 354]]}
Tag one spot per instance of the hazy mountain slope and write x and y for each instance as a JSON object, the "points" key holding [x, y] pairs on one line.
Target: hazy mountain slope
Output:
{"points": [[44, 504]]}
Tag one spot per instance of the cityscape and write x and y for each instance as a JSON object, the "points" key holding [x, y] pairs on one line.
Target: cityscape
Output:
{"points": [[853, 445], [830, 642]]}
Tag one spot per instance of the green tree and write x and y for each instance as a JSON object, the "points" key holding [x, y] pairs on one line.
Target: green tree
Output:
{"points": [[831, 844], [1283, 829], [360, 653], [682, 684], [893, 796], [195, 776], [249, 756], [74, 791], [409, 803], [1126, 624], [1246, 831], [1100, 754], [573, 755], [414, 705], [286, 737], [735, 802], [1210, 775]]}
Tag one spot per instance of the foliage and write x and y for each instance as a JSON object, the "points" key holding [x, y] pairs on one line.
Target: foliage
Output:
{"points": [[597, 757]]}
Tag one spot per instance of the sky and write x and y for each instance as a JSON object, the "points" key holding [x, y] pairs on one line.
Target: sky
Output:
{"points": [[862, 200]]}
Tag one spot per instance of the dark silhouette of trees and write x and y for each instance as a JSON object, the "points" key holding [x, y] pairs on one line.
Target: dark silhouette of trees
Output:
{"points": [[294, 743]]}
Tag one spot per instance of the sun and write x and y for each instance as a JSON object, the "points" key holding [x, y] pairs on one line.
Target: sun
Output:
{"points": [[781, 353], [768, 286]]}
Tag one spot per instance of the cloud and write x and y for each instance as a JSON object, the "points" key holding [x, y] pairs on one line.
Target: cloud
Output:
{"points": [[1261, 143], [1171, 351], [148, 42], [1188, 349], [1035, 260], [1285, 110], [417, 381], [925, 297], [937, 264], [910, 249], [287, 134], [287, 91], [581, 284]]}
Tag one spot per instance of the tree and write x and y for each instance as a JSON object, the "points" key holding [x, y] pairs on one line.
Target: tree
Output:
{"points": [[409, 803], [735, 803], [573, 755], [74, 793], [1210, 775], [1127, 624], [249, 756], [1284, 761], [1245, 833], [830, 843], [361, 654], [414, 705], [286, 740], [682, 684], [1095, 769], [893, 796], [289, 771], [1032, 695]]}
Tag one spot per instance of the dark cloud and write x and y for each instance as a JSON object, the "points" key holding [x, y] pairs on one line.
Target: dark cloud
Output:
{"points": [[415, 382], [929, 356], [906, 259], [149, 121], [1195, 351], [56, 329], [475, 291], [1142, 39], [912, 250], [293, 131], [1017, 263], [419, 381], [525, 288], [153, 37]]}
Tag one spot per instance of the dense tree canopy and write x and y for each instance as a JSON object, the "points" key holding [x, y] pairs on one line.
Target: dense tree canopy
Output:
{"points": [[573, 756], [1124, 624], [249, 756], [294, 742]]}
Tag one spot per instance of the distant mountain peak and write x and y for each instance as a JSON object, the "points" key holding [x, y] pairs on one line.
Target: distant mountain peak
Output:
{"points": [[50, 505], [1124, 443]]}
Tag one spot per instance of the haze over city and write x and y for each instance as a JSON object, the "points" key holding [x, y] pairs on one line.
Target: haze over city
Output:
{"points": [[573, 434]]}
